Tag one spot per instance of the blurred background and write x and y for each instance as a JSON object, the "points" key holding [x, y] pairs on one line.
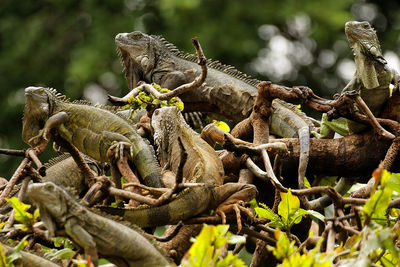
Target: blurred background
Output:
{"points": [[69, 44]]}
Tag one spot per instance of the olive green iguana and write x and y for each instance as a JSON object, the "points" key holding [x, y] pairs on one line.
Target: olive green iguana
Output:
{"points": [[371, 80], [94, 233], [226, 91], [64, 172], [202, 166], [91, 129]]}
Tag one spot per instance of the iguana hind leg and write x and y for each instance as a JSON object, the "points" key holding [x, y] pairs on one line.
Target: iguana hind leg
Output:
{"points": [[233, 196]]}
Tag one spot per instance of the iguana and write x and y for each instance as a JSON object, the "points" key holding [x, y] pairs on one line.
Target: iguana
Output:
{"points": [[26, 259], [371, 80], [91, 129], [202, 166], [226, 91], [64, 172], [114, 241]]}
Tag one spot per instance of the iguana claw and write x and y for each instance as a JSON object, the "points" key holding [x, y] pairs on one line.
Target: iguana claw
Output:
{"points": [[119, 149], [237, 207], [42, 134]]}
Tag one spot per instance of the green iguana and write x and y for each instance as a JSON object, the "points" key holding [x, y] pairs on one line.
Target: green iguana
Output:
{"points": [[91, 129], [26, 259], [94, 233], [202, 166], [226, 91], [64, 172], [371, 80]]}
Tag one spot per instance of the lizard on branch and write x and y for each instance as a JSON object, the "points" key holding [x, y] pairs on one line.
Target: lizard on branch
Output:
{"points": [[202, 166], [226, 91], [371, 80], [96, 234], [91, 129]]}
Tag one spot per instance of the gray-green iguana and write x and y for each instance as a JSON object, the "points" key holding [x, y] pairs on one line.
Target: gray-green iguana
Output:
{"points": [[91, 129], [202, 166], [64, 172], [94, 233], [371, 80], [226, 91]]}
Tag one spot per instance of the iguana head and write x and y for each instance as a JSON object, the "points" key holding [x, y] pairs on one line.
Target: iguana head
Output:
{"points": [[362, 38], [37, 110], [137, 53], [367, 51], [51, 202]]}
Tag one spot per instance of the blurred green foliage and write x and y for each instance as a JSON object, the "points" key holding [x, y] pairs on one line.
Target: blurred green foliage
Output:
{"points": [[69, 44]]}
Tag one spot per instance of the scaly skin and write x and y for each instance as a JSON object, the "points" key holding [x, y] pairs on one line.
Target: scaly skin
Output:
{"points": [[150, 58], [202, 166], [372, 78], [226, 90], [92, 130], [28, 259], [64, 172], [114, 241]]}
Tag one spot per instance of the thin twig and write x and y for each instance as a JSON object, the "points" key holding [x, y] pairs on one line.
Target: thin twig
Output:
{"points": [[171, 235]]}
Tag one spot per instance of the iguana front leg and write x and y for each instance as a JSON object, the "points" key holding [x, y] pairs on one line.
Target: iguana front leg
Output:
{"points": [[82, 238], [119, 143], [53, 122]]}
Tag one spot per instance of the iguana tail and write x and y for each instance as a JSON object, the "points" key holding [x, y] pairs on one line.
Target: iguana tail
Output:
{"points": [[288, 121], [189, 203]]}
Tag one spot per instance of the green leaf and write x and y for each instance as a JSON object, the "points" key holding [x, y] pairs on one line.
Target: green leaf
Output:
{"points": [[15, 255], [58, 241], [206, 249], [306, 182], [65, 253], [236, 239], [316, 215], [267, 214], [253, 203], [180, 105], [296, 217], [378, 203], [222, 125], [21, 214], [3, 260], [284, 247], [288, 206], [80, 263], [394, 182]]}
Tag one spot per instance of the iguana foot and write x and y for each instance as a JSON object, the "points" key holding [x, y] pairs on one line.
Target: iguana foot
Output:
{"points": [[119, 149], [43, 134], [238, 208]]}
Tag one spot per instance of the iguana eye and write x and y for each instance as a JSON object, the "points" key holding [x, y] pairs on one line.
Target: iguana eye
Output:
{"points": [[41, 90], [365, 25], [156, 112], [49, 187]]}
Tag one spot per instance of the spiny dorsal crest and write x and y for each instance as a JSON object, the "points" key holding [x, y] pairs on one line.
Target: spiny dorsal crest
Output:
{"points": [[60, 97], [230, 70], [54, 161]]}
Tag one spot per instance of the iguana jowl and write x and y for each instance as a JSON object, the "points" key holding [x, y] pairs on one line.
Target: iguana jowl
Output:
{"points": [[114, 241], [226, 91], [91, 129], [202, 166], [371, 80]]}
